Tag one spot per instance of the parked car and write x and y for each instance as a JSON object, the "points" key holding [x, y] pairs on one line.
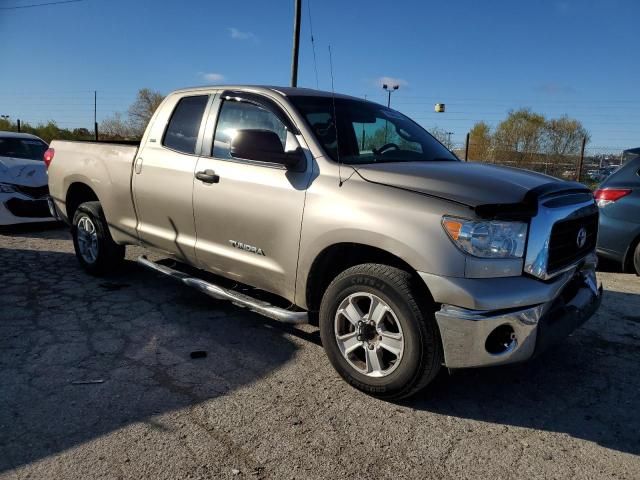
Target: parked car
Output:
{"points": [[630, 154], [348, 215], [23, 179], [619, 200]]}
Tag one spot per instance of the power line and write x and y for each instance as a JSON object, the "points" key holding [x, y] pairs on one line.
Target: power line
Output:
{"points": [[41, 4]]}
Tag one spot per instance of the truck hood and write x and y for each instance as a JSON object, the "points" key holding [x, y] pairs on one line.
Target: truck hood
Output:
{"points": [[24, 172], [471, 184]]}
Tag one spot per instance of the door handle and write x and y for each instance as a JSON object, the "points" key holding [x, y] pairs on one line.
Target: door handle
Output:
{"points": [[208, 176], [138, 165]]}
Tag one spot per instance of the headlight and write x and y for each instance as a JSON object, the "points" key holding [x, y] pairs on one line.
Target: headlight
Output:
{"points": [[7, 188], [487, 239]]}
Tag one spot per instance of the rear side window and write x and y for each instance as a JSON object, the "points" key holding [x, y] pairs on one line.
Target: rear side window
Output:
{"points": [[183, 128]]}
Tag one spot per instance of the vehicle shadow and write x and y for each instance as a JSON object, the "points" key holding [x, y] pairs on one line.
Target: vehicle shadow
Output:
{"points": [[48, 230], [607, 265], [588, 387], [81, 356]]}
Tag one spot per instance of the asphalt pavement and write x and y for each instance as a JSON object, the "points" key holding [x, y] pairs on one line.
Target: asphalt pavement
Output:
{"points": [[97, 381]]}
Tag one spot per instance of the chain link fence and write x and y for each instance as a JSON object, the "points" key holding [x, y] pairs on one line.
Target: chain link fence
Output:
{"points": [[590, 168]]}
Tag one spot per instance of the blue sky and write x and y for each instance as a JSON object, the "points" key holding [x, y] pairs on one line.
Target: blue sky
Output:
{"points": [[578, 57]]}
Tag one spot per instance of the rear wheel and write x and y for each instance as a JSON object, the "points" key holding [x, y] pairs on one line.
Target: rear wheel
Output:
{"points": [[378, 333], [636, 259], [95, 249]]}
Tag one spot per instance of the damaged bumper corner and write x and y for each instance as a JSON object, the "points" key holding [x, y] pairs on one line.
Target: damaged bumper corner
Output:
{"points": [[478, 338]]}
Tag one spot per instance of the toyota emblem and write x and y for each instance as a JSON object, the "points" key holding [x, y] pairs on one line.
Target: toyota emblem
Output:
{"points": [[581, 239]]}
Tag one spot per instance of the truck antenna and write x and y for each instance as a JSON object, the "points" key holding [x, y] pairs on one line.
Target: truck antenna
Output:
{"points": [[335, 120]]}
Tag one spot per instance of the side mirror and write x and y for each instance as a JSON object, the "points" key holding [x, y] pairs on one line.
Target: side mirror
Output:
{"points": [[263, 146]]}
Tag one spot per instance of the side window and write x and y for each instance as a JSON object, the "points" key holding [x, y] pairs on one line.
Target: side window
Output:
{"points": [[236, 116], [184, 125]]}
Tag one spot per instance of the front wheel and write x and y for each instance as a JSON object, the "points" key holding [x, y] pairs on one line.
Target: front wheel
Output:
{"points": [[95, 249], [378, 333]]}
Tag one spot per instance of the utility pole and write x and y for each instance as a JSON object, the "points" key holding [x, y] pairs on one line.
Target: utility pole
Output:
{"points": [[19, 126], [466, 149], [449, 139], [362, 149], [296, 42], [95, 113], [389, 89], [581, 160]]}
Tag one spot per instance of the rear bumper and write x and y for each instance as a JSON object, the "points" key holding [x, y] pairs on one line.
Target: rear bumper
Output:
{"points": [[53, 209], [477, 338]]}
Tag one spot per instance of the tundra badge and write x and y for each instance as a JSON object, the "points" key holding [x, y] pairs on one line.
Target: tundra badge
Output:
{"points": [[248, 248]]}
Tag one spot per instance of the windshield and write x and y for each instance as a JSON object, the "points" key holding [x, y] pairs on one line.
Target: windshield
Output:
{"points": [[368, 133], [28, 148]]}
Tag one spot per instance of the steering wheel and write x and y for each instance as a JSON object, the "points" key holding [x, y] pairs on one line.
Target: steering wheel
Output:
{"points": [[385, 147]]}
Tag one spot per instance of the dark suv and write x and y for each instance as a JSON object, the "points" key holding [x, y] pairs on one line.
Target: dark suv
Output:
{"points": [[619, 200]]}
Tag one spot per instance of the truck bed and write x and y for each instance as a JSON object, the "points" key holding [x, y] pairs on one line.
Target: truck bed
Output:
{"points": [[106, 167]]}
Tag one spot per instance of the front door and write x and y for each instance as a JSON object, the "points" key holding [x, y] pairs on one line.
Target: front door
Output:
{"points": [[163, 179], [248, 219]]}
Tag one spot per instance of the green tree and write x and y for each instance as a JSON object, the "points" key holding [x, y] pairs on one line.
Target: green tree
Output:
{"points": [[480, 140], [519, 138]]}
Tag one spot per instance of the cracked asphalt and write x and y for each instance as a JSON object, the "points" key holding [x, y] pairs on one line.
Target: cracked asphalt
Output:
{"points": [[96, 381]]}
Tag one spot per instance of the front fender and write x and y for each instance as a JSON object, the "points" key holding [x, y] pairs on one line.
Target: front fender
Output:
{"points": [[402, 223]]}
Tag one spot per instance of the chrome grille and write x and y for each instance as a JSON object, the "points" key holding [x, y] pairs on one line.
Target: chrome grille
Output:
{"points": [[552, 244], [563, 241]]}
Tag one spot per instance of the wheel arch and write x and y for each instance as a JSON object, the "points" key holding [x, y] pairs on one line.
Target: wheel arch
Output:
{"points": [[338, 257], [77, 194], [627, 262]]}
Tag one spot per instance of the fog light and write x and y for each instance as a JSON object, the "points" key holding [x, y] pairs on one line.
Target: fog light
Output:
{"points": [[501, 340]]}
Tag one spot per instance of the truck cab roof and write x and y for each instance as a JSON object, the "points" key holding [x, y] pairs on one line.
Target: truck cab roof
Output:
{"points": [[283, 91]]}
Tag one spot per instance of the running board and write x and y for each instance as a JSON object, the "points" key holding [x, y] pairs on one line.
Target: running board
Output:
{"points": [[221, 293]]}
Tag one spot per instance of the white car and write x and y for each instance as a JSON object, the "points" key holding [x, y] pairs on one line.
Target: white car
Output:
{"points": [[23, 179]]}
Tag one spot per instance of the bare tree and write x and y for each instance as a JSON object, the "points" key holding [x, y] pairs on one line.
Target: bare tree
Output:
{"points": [[442, 136], [140, 112], [563, 136], [116, 128]]}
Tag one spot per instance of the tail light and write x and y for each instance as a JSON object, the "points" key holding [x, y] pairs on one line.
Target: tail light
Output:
{"points": [[605, 196], [48, 156]]}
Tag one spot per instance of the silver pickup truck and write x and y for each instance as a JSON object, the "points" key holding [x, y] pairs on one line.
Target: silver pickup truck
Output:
{"points": [[306, 206]]}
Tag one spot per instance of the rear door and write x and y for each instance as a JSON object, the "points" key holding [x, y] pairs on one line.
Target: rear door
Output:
{"points": [[163, 176], [248, 221]]}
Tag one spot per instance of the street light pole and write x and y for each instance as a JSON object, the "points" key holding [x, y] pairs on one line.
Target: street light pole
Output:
{"points": [[389, 89]]}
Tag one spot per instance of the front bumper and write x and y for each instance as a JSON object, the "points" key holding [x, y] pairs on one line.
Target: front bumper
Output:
{"points": [[16, 208], [477, 338]]}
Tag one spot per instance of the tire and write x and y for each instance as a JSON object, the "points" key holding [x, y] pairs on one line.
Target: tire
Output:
{"points": [[399, 313], [98, 254], [636, 259]]}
